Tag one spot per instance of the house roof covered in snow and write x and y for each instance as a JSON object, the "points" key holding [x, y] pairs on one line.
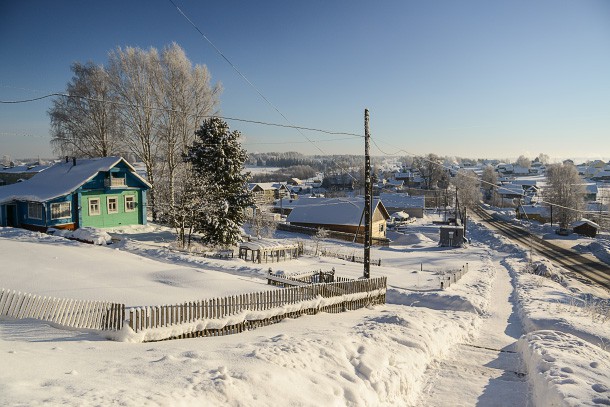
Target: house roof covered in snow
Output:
{"points": [[332, 211], [19, 169], [510, 189], [535, 210], [61, 179], [400, 215], [401, 200]]}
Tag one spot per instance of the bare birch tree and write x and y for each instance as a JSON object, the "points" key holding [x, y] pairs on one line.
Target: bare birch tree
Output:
{"points": [[86, 123], [490, 181], [134, 75], [185, 96], [468, 188]]}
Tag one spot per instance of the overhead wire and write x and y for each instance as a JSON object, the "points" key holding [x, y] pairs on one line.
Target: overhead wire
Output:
{"points": [[250, 83], [157, 108]]}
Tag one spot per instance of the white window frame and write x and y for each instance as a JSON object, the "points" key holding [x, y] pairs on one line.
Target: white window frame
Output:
{"points": [[99, 207], [31, 210], [133, 202], [59, 205], [116, 200]]}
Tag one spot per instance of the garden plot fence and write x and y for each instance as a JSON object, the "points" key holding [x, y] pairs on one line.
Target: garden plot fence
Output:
{"points": [[97, 315], [343, 256], [452, 276], [235, 314]]}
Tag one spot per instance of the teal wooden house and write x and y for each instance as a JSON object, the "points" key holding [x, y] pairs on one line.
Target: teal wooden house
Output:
{"points": [[96, 192]]}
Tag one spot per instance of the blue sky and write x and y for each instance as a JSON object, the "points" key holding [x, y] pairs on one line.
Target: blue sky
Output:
{"points": [[464, 78]]}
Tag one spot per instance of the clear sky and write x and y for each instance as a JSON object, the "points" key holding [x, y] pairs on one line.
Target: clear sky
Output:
{"points": [[467, 78]]}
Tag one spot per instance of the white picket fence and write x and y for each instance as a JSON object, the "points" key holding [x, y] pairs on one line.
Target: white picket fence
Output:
{"points": [[96, 315]]}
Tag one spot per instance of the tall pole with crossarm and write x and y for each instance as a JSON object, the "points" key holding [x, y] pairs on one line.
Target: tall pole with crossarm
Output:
{"points": [[367, 197]]}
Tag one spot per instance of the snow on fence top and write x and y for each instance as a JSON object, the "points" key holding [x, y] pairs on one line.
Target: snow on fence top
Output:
{"points": [[268, 245]]}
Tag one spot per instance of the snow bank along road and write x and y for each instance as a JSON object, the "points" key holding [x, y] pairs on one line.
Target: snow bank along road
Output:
{"points": [[592, 269], [488, 370]]}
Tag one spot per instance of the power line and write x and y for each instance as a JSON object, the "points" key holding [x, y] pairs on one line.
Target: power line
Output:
{"points": [[249, 82], [116, 102]]}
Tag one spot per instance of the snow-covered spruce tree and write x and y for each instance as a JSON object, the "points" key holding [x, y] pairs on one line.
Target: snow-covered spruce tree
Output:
{"points": [[217, 161]]}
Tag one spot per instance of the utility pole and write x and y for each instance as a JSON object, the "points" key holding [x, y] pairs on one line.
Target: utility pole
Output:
{"points": [[367, 197]]}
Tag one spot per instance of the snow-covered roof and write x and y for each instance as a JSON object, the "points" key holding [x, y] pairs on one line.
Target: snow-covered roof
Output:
{"points": [[510, 189], [61, 179], [266, 185], [23, 169], [268, 244], [331, 211], [585, 222], [535, 210], [400, 215], [401, 200]]}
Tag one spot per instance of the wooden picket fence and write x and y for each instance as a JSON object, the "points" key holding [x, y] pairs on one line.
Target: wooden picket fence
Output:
{"points": [[312, 277], [96, 315], [342, 256], [235, 314], [453, 276]]}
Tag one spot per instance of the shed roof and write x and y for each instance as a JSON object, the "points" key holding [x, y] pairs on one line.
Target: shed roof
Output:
{"points": [[585, 222], [61, 179], [268, 244]]}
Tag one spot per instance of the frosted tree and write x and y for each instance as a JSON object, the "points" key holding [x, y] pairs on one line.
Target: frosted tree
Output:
{"points": [[190, 200], [543, 158], [565, 193], [430, 168], [185, 95], [134, 74], [217, 160], [524, 162], [468, 188], [320, 235], [86, 124], [490, 181], [262, 223]]}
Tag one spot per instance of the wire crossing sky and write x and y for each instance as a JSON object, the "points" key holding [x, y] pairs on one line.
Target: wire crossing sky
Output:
{"points": [[467, 78]]}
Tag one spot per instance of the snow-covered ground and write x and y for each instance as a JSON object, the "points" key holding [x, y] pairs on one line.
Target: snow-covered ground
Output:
{"points": [[479, 341], [598, 246]]}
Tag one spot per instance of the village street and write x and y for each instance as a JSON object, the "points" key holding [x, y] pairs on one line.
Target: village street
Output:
{"points": [[488, 371]]}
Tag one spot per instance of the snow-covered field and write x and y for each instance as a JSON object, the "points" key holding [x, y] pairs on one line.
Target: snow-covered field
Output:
{"points": [[412, 351]]}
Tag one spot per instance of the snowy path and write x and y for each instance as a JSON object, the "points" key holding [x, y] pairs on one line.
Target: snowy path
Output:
{"points": [[488, 371]]}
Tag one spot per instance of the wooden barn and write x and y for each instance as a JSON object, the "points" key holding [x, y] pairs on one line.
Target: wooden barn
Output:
{"points": [[585, 227], [340, 215]]}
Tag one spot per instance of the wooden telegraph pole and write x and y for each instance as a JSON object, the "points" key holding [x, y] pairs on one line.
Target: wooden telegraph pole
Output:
{"points": [[367, 197]]}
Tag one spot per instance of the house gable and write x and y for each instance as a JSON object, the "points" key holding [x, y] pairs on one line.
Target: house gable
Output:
{"points": [[58, 196]]}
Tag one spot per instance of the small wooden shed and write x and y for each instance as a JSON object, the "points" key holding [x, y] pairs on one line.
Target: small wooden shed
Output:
{"points": [[452, 236], [585, 227], [269, 250]]}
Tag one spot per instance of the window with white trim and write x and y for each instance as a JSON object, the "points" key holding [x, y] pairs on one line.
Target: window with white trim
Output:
{"points": [[94, 206], [61, 210], [130, 203], [112, 203], [35, 210]]}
